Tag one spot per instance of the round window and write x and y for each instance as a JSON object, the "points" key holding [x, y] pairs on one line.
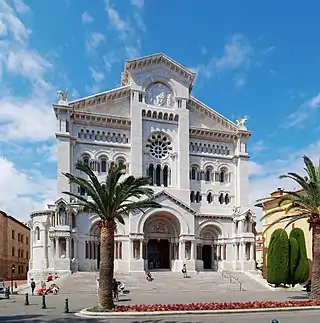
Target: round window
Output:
{"points": [[159, 145]]}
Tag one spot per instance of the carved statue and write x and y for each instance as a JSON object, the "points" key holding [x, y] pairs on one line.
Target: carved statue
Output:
{"points": [[62, 216], [241, 122], [160, 99], [63, 96], [159, 94], [169, 99]]}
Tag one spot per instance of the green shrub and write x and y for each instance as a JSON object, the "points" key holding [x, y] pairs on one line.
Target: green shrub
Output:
{"points": [[301, 272], [278, 258], [294, 259]]}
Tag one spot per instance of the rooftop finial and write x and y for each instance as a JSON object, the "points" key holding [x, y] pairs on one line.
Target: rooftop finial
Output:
{"points": [[63, 97]]}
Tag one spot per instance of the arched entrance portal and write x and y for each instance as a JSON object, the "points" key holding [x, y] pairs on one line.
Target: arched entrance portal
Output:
{"points": [[161, 232], [207, 250]]}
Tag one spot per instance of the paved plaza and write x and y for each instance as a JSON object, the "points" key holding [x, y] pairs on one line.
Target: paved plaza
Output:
{"points": [[80, 289]]}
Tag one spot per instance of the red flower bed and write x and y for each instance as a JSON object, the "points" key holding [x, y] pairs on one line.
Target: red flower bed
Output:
{"points": [[213, 306]]}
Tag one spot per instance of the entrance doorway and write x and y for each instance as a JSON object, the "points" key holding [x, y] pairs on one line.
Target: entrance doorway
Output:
{"points": [[207, 256], [158, 254]]}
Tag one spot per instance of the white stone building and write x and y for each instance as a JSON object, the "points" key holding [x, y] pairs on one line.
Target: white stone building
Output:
{"points": [[196, 158]]}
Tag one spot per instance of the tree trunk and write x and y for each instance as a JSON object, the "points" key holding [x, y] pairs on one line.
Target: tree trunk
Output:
{"points": [[315, 280], [105, 298]]}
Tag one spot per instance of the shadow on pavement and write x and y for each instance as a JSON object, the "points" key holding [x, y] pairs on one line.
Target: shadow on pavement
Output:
{"points": [[72, 319]]}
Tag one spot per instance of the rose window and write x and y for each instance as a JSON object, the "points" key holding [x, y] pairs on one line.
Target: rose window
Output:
{"points": [[159, 145]]}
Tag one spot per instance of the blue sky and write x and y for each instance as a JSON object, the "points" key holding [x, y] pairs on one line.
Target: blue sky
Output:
{"points": [[259, 60]]}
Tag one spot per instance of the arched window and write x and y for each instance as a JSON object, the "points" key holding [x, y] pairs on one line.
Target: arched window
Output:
{"points": [[37, 233], [227, 199], [208, 175], [222, 176], [194, 174], [121, 161], [221, 199], [198, 197], [103, 166], [150, 173], [12, 252], [165, 175], [85, 160], [158, 175], [192, 197], [209, 198]]}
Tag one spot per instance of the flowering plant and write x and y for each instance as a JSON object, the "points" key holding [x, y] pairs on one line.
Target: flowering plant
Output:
{"points": [[214, 306]]}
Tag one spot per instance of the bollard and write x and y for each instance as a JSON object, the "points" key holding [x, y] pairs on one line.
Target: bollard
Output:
{"points": [[44, 305], [27, 300], [7, 293], [66, 306], [275, 321]]}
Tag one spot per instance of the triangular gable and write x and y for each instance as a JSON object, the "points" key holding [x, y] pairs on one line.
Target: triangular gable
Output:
{"points": [[175, 200], [61, 200], [156, 59], [203, 117]]}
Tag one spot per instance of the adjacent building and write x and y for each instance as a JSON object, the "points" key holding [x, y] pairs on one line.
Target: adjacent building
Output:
{"points": [[259, 249], [196, 159], [271, 203], [14, 248]]}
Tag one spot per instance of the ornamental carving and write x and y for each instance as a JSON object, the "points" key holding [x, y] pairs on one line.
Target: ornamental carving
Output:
{"points": [[159, 95], [159, 227], [207, 236]]}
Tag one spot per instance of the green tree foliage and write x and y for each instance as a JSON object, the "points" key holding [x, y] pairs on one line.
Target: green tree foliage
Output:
{"points": [[301, 272], [294, 259], [278, 258]]}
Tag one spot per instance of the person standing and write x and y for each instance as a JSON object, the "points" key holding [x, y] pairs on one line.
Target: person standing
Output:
{"points": [[115, 289], [33, 286]]}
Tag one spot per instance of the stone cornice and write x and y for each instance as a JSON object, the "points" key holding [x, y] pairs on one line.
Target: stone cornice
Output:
{"points": [[217, 217], [122, 92], [207, 134], [40, 213], [156, 59], [89, 118], [175, 200]]}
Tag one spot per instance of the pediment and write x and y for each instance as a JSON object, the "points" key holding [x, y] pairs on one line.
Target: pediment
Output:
{"points": [[203, 117], [163, 196], [158, 64]]}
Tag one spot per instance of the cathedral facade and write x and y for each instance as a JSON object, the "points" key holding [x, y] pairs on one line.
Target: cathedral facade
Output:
{"points": [[197, 162]]}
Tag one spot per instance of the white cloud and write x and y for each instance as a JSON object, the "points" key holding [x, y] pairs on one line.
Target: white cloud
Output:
{"points": [[86, 18], [258, 146], [3, 29], [12, 22], [21, 7], [26, 120], [264, 178], [237, 55], [303, 112], [96, 75], [115, 19], [94, 40], [138, 3], [18, 197], [239, 81], [131, 52]]}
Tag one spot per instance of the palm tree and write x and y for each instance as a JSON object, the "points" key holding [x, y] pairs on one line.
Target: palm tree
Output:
{"points": [[304, 204], [111, 201]]}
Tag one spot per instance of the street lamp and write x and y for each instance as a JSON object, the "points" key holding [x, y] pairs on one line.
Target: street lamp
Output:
{"points": [[12, 272]]}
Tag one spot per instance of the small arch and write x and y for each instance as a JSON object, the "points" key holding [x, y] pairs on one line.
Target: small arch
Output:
{"points": [[154, 115], [143, 113], [198, 197], [209, 198], [165, 116], [149, 114], [208, 174], [192, 197], [176, 117], [171, 117], [151, 173], [227, 199], [221, 198], [160, 115], [37, 233], [195, 173]]}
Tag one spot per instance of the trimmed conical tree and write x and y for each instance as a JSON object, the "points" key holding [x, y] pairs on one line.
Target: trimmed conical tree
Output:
{"points": [[278, 258], [301, 272], [294, 259]]}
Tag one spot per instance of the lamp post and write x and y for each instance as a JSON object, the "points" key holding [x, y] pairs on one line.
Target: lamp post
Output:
{"points": [[12, 272]]}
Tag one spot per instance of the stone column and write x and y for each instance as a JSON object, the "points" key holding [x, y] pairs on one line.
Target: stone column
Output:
{"points": [[218, 252], [141, 249], [57, 253], [251, 251], [132, 248], [192, 250], [182, 250], [75, 248], [242, 251], [161, 176], [234, 228], [68, 247], [241, 226]]}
